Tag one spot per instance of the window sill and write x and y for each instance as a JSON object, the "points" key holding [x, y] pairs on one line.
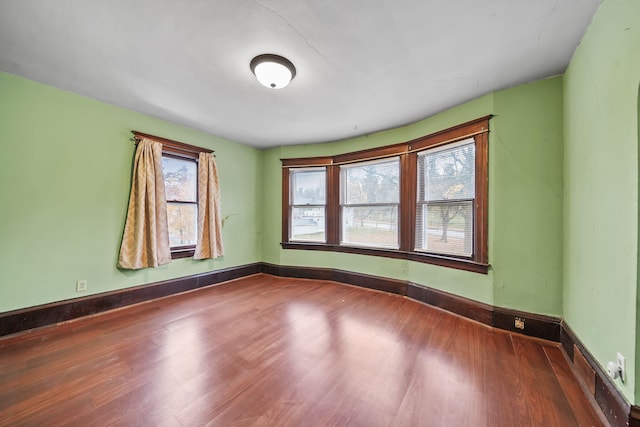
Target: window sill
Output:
{"points": [[444, 261], [184, 252]]}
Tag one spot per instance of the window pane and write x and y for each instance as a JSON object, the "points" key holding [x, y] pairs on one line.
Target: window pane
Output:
{"points": [[370, 226], [308, 224], [448, 174], [371, 182], [180, 179], [308, 186], [182, 219], [445, 228]]}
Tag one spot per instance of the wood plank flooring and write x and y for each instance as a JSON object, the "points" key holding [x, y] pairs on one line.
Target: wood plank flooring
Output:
{"points": [[269, 351]]}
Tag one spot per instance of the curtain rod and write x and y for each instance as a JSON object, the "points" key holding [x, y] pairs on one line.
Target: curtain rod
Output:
{"points": [[138, 136]]}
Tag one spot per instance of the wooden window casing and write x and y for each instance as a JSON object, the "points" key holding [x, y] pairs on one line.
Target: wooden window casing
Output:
{"points": [[408, 154], [310, 202]]}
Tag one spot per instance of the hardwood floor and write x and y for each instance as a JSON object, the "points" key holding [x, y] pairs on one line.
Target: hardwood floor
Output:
{"points": [[268, 351]]}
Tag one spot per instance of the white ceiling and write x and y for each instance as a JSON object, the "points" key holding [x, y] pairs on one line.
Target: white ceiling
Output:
{"points": [[362, 65]]}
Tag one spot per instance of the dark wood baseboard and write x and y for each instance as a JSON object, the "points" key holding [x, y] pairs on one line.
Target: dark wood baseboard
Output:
{"points": [[393, 286], [535, 325], [634, 416], [613, 405], [33, 317], [465, 307], [617, 410], [297, 272], [15, 321]]}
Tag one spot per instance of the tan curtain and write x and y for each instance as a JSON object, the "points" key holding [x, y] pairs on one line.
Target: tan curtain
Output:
{"points": [[209, 244], [146, 235]]}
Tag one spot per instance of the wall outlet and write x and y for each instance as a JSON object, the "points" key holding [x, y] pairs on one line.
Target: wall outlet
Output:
{"points": [[622, 366], [519, 324], [81, 285]]}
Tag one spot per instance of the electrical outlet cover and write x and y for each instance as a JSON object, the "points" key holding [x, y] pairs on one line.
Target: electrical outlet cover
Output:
{"points": [[519, 323], [81, 285], [622, 366]]}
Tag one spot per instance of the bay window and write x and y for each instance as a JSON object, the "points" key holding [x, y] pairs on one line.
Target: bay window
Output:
{"points": [[425, 200]]}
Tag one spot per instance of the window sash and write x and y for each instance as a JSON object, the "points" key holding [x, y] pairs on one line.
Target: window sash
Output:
{"points": [[309, 227], [453, 239], [381, 233], [192, 224], [185, 233], [425, 191], [346, 184], [192, 189], [305, 227], [297, 174]]}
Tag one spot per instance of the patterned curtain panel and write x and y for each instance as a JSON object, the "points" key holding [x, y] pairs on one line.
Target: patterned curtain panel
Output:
{"points": [[146, 236], [209, 244]]}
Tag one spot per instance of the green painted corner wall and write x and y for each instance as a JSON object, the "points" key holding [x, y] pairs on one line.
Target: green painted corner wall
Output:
{"points": [[65, 170], [525, 191], [526, 197], [601, 187]]}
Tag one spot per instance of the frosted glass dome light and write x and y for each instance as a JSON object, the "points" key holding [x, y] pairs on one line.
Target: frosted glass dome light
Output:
{"points": [[273, 71]]}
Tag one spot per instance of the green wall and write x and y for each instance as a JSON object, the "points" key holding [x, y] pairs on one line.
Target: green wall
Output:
{"points": [[527, 197], [601, 186], [525, 211], [65, 170]]}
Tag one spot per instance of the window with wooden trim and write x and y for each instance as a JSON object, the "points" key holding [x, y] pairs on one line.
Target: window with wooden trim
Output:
{"points": [[423, 200], [181, 189], [369, 203], [446, 196], [308, 204], [180, 172]]}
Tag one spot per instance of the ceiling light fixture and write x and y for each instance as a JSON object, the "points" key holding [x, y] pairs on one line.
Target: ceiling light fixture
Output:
{"points": [[273, 71]]}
